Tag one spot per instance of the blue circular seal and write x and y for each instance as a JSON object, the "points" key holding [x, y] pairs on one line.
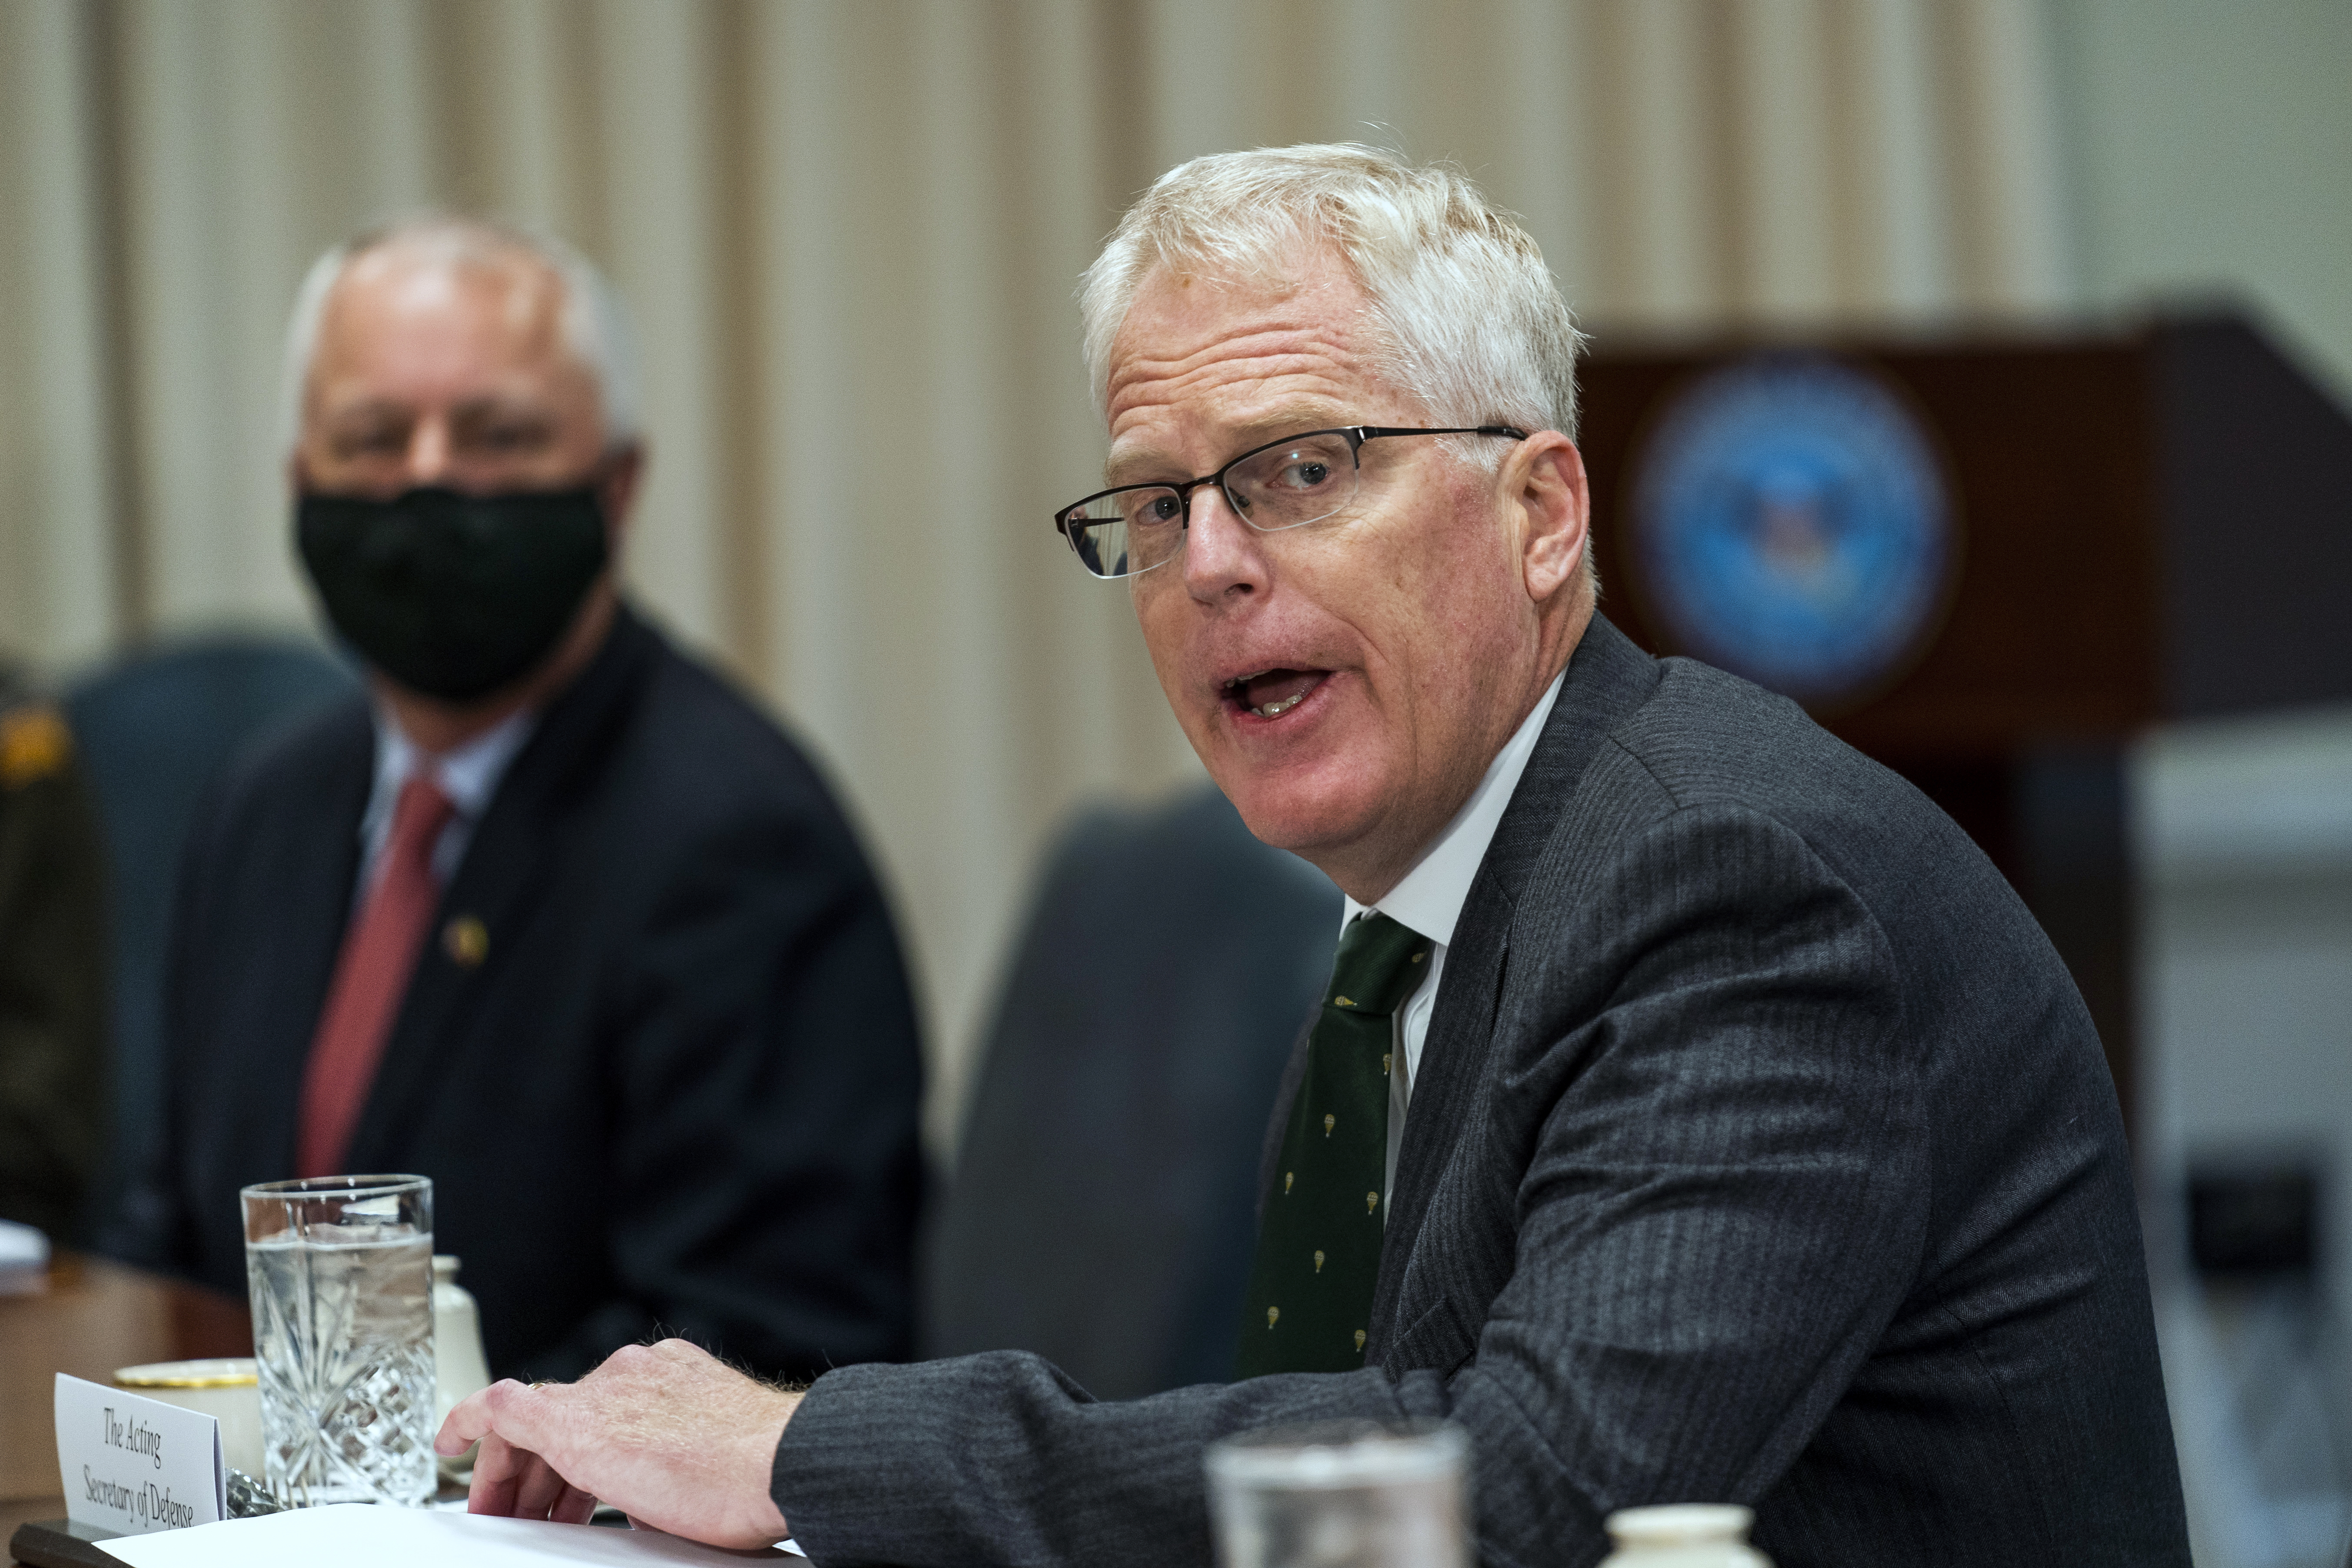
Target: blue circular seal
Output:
{"points": [[1792, 527]]}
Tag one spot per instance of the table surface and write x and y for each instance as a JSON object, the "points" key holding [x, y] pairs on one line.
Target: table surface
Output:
{"points": [[95, 1316]]}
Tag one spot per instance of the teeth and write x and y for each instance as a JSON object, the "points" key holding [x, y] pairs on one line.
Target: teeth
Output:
{"points": [[1276, 709]]}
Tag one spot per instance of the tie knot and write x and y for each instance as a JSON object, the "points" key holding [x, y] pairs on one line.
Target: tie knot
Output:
{"points": [[1379, 964], [419, 815]]}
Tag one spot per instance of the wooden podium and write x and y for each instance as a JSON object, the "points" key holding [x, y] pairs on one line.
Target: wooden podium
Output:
{"points": [[2140, 528]]}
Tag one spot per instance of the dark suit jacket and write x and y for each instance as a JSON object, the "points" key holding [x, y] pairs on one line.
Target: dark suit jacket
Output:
{"points": [[678, 1095], [1761, 1152]]}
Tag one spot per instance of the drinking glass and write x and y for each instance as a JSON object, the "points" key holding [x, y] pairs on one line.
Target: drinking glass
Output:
{"points": [[1351, 1494], [341, 1270]]}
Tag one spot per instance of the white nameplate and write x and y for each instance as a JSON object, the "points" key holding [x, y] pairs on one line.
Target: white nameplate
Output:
{"points": [[133, 1465]]}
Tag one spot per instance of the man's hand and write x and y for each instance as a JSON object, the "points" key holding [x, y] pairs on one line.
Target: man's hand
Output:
{"points": [[668, 1435]]}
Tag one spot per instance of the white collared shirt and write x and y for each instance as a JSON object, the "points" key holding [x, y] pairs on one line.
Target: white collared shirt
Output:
{"points": [[1430, 897], [468, 775]]}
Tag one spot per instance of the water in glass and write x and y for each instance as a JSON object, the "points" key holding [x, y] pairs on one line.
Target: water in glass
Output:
{"points": [[343, 1330], [1350, 1494]]}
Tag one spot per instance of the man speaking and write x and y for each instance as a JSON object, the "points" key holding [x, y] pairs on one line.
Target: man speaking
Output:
{"points": [[1693, 1115]]}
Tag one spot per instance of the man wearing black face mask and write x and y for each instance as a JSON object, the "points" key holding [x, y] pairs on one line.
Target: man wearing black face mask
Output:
{"points": [[554, 918]]}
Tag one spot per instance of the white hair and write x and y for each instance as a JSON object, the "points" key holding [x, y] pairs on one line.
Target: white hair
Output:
{"points": [[595, 324], [1471, 324]]}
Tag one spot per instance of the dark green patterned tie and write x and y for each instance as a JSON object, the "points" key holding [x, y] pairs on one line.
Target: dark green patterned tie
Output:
{"points": [[1318, 1244]]}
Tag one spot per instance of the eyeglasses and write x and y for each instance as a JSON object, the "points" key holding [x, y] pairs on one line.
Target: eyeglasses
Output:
{"points": [[1283, 484]]}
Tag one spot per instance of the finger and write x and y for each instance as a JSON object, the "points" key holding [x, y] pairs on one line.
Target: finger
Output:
{"points": [[573, 1507], [538, 1490], [533, 1491], [513, 1410], [497, 1466], [463, 1425]]}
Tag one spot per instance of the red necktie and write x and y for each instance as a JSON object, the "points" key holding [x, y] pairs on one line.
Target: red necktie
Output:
{"points": [[371, 977]]}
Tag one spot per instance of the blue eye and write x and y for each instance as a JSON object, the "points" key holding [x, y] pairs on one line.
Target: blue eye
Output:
{"points": [[1153, 509]]}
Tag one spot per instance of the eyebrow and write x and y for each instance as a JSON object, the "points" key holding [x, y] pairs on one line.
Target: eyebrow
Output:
{"points": [[1293, 420], [499, 406], [489, 405]]}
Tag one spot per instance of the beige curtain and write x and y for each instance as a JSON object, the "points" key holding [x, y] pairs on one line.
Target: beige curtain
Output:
{"points": [[849, 232]]}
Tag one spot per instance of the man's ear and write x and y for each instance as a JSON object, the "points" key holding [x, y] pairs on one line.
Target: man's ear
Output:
{"points": [[1547, 479], [617, 491]]}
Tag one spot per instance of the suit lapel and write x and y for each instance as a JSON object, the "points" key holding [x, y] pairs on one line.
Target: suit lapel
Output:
{"points": [[308, 903], [505, 870], [1608, 677]]}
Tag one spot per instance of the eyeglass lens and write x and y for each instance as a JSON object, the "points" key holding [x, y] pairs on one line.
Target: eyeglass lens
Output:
{"points": [[1297, 482]]}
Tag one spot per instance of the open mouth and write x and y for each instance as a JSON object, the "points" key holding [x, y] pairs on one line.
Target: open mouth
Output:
{"points": [[1271, 693]]}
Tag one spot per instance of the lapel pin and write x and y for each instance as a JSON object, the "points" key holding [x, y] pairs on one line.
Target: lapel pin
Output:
{"points": [[466, 941]]}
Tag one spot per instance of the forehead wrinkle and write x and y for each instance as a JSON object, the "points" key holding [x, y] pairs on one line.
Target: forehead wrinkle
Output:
{"points": [[1168, 385], [1259, 394], [1266, 385]]}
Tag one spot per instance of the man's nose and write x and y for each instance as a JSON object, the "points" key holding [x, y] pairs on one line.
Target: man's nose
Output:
{"points": [[1223, 556], [428, 455]]}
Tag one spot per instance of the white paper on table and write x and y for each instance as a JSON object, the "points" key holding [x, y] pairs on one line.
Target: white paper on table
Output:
{"points": [[365, 1535]]}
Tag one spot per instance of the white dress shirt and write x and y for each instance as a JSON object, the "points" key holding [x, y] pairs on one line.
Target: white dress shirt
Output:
{"points": [[1430, 897], [468, 775]]}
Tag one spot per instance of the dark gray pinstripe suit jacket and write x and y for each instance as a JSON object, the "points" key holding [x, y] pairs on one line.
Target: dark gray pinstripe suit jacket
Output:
{"points": [[1761, 1151]]}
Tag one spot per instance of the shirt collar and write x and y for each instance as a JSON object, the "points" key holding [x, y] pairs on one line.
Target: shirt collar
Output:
{"points": [[1430, 898], [468, 775]]}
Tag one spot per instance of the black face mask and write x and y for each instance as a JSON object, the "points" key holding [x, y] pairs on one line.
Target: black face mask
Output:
{"points": [[453, 595]]}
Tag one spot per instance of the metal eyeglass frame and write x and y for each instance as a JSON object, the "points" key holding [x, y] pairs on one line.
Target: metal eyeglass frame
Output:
{"points": [[1069, 527]]}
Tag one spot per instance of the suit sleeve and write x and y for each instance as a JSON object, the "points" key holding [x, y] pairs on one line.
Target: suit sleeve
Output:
{"points": [[765, 1085], [1720, 1204]]}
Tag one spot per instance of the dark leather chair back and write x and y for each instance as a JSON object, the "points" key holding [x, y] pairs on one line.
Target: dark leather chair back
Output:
{"points": [[1104, 1205], [154, 728]]}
